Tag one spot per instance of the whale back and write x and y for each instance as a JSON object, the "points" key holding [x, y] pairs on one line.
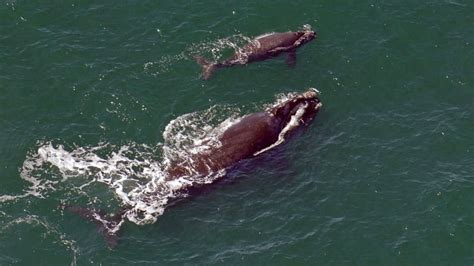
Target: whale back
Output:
{"points": [[281, 39], [262, 46], [250, 134]]}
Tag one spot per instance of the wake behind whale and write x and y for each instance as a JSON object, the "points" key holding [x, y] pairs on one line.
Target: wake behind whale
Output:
{"points": [[145, 178]]}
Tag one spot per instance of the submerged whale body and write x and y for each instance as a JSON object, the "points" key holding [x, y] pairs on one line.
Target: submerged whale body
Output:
{"points": [[261, 48], [248, 137]]}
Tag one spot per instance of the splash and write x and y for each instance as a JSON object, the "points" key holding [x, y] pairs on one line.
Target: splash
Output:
{"points": [[133, 172], [215, 50], [220, 48], [306, 27], [195, 133], [163, 64]]}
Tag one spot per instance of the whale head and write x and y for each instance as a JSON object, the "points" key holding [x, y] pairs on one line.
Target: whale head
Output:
{"points": [[305, 36], [299, 109]]}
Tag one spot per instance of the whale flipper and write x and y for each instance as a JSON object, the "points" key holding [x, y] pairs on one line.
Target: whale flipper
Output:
{"points": [[106, 224], [291, 58], [207, 67]]}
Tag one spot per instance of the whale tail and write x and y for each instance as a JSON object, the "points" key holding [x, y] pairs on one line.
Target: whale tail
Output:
{"points": [[207, 67], [107, 225]]}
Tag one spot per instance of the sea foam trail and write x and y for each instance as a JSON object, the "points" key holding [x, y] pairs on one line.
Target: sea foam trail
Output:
{"points": [[135, 172]]}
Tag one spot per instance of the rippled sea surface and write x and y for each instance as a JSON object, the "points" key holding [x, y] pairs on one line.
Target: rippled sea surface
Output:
{"points": [[383, 176]]}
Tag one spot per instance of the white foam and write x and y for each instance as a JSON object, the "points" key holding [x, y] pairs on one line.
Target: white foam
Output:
{"points": [[218, 49], [5, 198], [133, 171]]}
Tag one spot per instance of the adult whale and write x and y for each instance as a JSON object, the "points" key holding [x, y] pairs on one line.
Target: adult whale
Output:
{"points": [[261, 48], [248, 137]]}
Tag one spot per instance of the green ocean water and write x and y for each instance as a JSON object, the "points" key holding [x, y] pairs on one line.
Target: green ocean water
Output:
{"points": [[383, 176]]}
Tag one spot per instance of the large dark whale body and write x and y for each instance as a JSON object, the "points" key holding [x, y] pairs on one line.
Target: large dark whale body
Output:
{"points": [[246, 138], [251, 135], [261, 48]]}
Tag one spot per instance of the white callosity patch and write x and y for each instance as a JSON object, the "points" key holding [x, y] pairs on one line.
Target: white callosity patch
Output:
{"points": [[293, 123]]}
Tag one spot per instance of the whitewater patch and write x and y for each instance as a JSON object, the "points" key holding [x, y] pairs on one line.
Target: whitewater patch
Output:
{"points": [[133, 172]]}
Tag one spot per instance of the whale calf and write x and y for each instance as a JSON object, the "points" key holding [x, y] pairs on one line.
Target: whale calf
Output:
{"points": [[261, 48], [245, 138]]}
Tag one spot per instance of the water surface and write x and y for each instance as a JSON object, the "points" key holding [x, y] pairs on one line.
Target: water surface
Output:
{"points": [[382, 176]]}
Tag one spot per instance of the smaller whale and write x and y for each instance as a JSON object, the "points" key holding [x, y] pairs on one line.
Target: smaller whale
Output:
{"points": [[261, 48]]}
